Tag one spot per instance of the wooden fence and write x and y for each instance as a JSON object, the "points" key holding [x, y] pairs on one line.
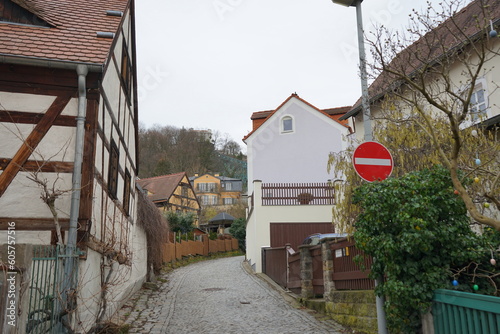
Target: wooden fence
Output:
{"points": [[306, 268], [172, 251], [297, 194], [348, 275], [457, 312]]}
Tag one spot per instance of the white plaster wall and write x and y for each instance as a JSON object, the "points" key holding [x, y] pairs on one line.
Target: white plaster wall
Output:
{"points": [[258, 226], [108, 124], [57, 145], [22, 197], [12, 136], [25, 102], [98, 157], [29, 237], [71, 108], [297, 157], [125, 280], [112, 85]]}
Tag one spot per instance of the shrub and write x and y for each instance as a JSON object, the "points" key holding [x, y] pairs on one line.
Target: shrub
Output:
{"points": [[417, 229], [238, 230]]}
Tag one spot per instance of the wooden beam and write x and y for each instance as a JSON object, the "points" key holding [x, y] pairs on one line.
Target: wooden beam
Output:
{"points": [[43, 80], [33, 224], [32, 142], [19, 117], [41, 166], [87, 185]]}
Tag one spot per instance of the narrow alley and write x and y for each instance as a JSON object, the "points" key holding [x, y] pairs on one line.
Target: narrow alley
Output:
{"points": [[219, 296]]}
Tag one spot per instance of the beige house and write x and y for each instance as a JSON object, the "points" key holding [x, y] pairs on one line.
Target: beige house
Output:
{"points": [[217, 190], [448, 80], [457, 57]]}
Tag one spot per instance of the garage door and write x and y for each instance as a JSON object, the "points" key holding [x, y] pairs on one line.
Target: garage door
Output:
{"points": [[295, 233]]}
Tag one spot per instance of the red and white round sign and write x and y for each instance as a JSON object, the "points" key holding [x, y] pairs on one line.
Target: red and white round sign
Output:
{"points": [[372, 161]]}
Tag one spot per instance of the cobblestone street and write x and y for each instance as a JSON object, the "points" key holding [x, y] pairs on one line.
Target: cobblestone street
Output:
{"points": [[218, 296]]}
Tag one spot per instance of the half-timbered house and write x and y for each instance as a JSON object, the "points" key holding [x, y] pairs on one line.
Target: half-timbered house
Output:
{"points": [[68, 153]]}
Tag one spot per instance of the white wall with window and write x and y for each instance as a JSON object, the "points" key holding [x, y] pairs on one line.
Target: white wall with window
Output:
{"points": [[297, 156], [287, 124]]}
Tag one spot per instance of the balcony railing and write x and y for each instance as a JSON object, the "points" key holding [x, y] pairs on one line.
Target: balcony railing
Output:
{"points": [[297, 194]]}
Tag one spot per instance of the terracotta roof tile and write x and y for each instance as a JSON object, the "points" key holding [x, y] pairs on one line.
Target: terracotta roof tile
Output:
{"points": [[72, 35]]}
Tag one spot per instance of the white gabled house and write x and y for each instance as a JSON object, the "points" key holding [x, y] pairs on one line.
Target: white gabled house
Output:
{"points": [[288, 181], [68, 122]]}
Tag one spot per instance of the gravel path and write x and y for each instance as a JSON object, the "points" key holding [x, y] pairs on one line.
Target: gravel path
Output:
{"points": [[219, 297]]}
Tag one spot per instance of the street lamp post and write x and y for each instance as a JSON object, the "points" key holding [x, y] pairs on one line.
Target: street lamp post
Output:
{"points": [[366, 114], [365, 103]]}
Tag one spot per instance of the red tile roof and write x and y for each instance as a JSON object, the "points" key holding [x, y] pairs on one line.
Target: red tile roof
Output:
{"points": [[72, 35], [160, 188], [260, 117]]}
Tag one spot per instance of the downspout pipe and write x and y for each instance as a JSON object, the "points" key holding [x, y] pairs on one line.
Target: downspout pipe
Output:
{"points": [[71, 260], [82, 71]]}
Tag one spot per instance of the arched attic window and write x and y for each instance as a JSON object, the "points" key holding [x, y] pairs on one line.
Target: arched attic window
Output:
{"points": [[287, 125]]}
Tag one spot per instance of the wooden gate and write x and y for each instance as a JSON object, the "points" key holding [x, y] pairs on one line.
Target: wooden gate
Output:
{"points": [[458, 312]]}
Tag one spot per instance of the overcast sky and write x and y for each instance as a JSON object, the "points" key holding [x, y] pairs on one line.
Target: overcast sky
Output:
{"points": [[209, 64]]}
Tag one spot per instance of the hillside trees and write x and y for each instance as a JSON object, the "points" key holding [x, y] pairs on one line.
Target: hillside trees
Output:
{"points": [[167, 149]]}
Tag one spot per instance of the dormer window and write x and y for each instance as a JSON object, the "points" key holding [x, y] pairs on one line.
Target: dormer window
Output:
{"points": [[287, 124], [11, 12]]}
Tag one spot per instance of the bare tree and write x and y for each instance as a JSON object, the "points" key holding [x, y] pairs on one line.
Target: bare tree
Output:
{"points": [[434, 76]]}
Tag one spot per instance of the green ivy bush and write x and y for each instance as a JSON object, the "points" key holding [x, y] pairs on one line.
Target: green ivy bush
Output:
{"points": [[417, 230]]}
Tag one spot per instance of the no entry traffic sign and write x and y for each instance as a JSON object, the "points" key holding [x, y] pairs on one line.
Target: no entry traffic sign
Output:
{"points": [[372, 161]]}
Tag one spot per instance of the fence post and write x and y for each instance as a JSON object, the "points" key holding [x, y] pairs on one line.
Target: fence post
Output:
{"points": [[327, 258], [306, 272], [287, 251]]}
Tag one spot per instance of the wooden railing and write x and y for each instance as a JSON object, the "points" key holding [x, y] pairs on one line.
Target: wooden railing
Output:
{"points": [[297, 194]]}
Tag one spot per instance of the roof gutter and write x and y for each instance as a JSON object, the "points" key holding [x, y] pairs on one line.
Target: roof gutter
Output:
{"points": [[49, 63]]}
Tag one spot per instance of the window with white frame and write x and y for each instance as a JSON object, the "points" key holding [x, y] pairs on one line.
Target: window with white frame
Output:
{"points": [[228, 201], [287, 124], [208, 200], [207, 187], [478, 103]]}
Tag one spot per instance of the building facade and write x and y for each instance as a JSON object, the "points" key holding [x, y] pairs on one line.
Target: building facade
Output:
{"points": [[69, 118]]}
